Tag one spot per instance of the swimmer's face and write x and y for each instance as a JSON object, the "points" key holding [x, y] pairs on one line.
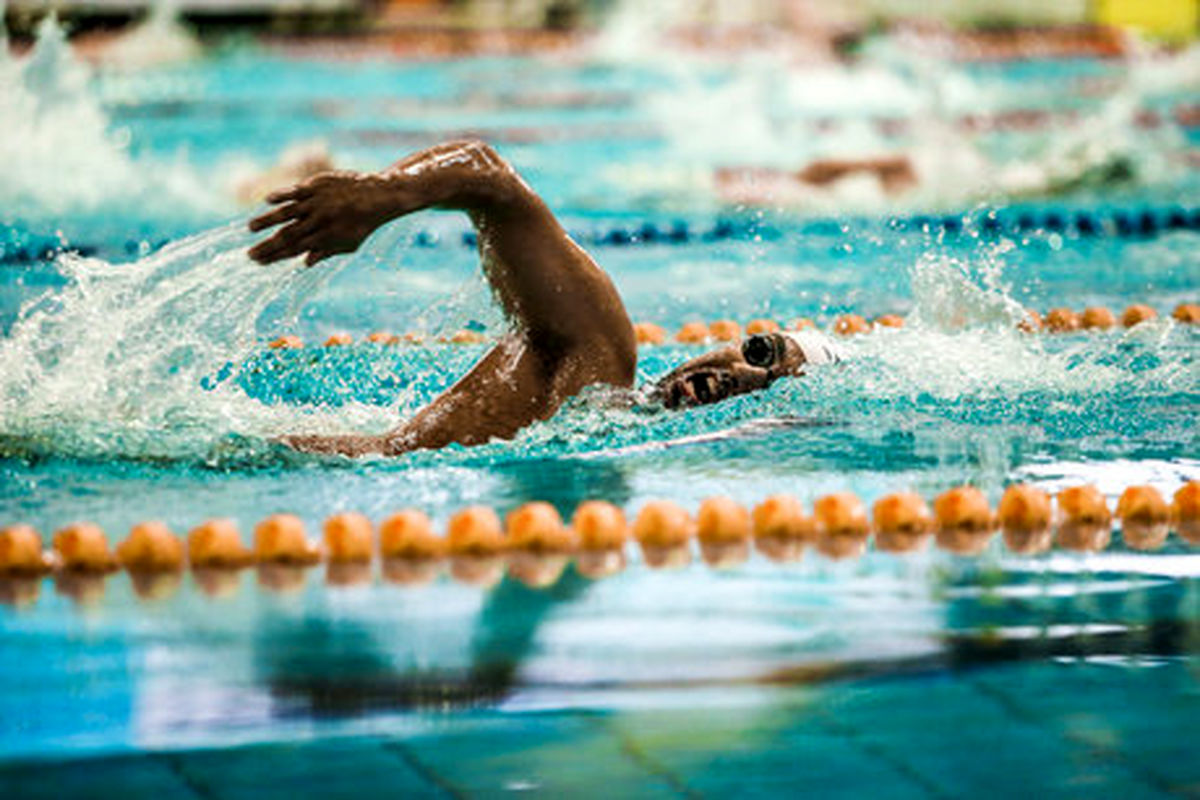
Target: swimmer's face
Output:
{"points": [[738, 369]]}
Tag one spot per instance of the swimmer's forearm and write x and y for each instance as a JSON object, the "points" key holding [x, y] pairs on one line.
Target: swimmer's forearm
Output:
{"points": [[334, 212], [346, 445], [467, 175]]}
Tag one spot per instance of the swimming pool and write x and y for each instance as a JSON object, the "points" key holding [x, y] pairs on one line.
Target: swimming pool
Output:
{"points": [[147, 391]]}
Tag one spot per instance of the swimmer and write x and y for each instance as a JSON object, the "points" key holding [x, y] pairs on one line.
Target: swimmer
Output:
{"points": [[570, 329], [896, 175]]}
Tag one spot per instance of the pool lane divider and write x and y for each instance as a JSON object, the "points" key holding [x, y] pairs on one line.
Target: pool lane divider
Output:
{"points": [[18, 246], [1056, 320], [1121, 223], [535, 545]]}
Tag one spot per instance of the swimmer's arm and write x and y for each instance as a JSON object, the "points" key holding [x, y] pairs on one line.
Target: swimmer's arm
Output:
{"points": [[571, 328], [544, 281]]}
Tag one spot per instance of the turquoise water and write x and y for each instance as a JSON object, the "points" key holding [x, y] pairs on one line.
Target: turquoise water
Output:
{"points": [[140, 387]]}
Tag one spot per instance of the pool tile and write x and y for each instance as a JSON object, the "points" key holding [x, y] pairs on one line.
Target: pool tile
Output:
{"points": [[331, 768], [118, 778], [555, 755], [761, 751]]}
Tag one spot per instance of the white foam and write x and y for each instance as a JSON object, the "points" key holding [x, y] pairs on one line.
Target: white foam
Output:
{"points": [[114, 363], [61, 155]]}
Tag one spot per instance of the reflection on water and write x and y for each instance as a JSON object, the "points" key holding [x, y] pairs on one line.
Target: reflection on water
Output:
{"points": [[207, 662]]}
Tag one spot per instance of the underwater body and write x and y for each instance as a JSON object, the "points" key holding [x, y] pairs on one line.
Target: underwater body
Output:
{"points": [[136, 383]]}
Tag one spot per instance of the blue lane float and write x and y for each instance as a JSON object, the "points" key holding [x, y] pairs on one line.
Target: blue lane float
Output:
{"points": [[21, 246]]}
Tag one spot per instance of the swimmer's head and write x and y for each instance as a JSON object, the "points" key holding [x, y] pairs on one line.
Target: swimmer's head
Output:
{"points": [[754, 364]]}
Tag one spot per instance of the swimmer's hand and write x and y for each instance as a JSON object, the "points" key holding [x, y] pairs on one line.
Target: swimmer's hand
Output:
{"points": [[328, 214]]}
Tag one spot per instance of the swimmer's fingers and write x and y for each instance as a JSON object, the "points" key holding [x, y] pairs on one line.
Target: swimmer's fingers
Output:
{"points": [[275, 216], [317, 255], [301, 191], [271, 251], [290, 240]]}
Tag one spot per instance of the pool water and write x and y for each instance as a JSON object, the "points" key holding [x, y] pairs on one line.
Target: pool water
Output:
{"points": [[135, 383]]}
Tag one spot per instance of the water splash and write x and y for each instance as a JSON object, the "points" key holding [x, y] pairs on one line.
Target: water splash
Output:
{"points": [[141, 360], [163, 359], [61, 155], [158, 40], [766, 110]]}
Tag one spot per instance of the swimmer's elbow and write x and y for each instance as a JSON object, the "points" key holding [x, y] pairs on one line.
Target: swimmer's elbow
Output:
{"points": [[625, 359], [615, 356], [489, 178]]}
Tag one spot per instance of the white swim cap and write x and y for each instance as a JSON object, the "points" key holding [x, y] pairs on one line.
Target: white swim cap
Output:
{"points": [[816, 347]]}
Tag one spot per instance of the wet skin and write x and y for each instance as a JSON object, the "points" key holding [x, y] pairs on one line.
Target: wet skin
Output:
{"points": [[569, 326]]}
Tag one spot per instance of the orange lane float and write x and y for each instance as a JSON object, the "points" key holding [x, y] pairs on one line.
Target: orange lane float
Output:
{"points": [[1084, 504], [383, 338], [339, 339], [903, 522], [725, 330], [649, 333], [1026, 517], [723, 528], [722, 521], [409, 535], [151, 547], [964, 520], [781, 529], [1084, 519], [217, 544], [1137, 314], [692, 333], [850, 325], [802, 324], [1185, 511], [21, 551], [841, 524], [761, 325], [781, 516], [1031, 322], [537, 527], [286, 343], [1187, 313], [889, 321], [474, 531], [601, 530], [82, 547], [663, 530], [1097, 318], [600, 526], [281, 539], [1144, 516], [538, 545], [662, 523], [349, 538], [1061, 320]]}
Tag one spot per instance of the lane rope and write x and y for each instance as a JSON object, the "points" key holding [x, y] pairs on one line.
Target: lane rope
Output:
{"points": [[1139, 222], [534, 545], [1056, 320]]}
